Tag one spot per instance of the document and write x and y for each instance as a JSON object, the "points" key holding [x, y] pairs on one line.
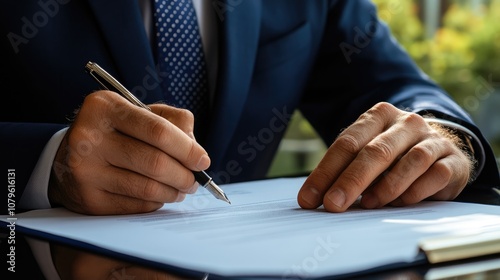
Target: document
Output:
{"points": [[265, 233]]}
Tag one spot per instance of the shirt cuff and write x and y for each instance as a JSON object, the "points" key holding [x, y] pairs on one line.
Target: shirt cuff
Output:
{"points": [[35, 195]]}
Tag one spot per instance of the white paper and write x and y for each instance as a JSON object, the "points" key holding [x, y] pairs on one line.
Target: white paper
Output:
{"points": [[265, 232]]}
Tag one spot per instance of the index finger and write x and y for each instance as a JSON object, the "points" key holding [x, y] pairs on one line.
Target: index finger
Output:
{"points": [[341, 153], [181, 118], [156, 131]]}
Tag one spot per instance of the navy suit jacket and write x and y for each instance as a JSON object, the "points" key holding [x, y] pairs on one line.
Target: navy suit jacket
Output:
{"points": [[332, 60]]}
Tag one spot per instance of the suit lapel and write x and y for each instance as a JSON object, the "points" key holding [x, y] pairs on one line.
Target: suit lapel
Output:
{"points": [[123, 30], [238, 42]]}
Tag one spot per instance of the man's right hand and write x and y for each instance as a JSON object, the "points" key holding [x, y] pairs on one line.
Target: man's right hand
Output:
{"points": [[117, 158]]}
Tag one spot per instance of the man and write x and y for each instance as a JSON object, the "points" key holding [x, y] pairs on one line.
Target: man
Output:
{"points": [[333, 60]]}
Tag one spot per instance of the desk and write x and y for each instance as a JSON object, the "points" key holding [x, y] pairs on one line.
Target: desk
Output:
{"points": [[88, 263], [70, 259]]}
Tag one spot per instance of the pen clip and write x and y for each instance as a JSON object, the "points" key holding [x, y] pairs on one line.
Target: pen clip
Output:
{"points": [[97, 78], [108, 82]]}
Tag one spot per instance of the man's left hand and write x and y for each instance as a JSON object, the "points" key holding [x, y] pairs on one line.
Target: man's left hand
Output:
{"points": [[389, 156]]}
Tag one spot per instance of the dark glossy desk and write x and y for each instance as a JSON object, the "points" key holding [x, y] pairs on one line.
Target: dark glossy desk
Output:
{"points": [[75, 263]]}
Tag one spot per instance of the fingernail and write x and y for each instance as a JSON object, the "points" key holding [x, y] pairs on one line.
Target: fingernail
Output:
{"points": [[311, 196], [369, 201], [180, 197], [337, 197], [194, 188], [203, 163]]}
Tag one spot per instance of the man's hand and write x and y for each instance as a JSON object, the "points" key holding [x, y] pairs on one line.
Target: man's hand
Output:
{"points": [[117, 158], [388, 156]]}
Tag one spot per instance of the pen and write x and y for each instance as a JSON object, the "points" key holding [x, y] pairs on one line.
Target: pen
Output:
{"points": [[108, 82]]}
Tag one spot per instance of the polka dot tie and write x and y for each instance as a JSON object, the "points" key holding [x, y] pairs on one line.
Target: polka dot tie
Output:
{"points": [[180, 54]]}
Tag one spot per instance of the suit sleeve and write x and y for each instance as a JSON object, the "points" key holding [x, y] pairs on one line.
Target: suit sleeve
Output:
{"points": [[359, 64]]}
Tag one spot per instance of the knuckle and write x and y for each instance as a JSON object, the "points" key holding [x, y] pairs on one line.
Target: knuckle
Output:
{"points": [[347, 143], [157, 131], [413, 120], [379, 151], [392, 189], [150, 189], [186, 115], [99, 98], [392, 179], [382, 109], [383, 106], [366, 117], [372, 115], [94, 97], [181, 118], [420, 155], [443, 174], [353, 179], [156, 163]]}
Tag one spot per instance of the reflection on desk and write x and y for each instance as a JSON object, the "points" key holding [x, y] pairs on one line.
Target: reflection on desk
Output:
{"points": [[74, 263], [77, 264], [71, 263]]}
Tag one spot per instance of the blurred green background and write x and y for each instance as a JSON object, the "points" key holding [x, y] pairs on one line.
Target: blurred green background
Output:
{"points": [[456, 42]]}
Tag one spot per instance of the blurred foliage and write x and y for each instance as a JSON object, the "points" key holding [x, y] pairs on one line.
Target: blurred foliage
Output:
{"points": [[298, 160], [463, 56], [300, 128]]}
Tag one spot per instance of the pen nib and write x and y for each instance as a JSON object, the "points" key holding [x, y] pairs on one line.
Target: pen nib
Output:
{"points": [[226, 199], [216, 191]]}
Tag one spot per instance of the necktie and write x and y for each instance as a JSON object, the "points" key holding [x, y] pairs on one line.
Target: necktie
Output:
{"points": [[180, 54]]}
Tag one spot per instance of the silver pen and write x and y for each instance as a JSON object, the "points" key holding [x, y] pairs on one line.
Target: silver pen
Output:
{"points": [[108, 82]]}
